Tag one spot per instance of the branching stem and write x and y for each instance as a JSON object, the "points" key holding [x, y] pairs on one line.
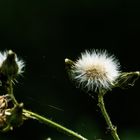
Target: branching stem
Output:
{"points": [[30, 114]]}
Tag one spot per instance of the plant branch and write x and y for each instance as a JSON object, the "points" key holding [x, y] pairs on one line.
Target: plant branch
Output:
{"points": [[10, 92], [30, 114], [106, 116]]}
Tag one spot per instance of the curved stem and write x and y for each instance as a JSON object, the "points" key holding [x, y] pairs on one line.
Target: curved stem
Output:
{"points": [[106, 116], [30, 114]]}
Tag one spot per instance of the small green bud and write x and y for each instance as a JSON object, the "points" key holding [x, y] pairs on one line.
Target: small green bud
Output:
{"points": [[68, 65], [9, 67], [127, 79]]}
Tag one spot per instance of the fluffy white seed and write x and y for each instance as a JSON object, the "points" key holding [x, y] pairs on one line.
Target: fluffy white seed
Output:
{"points": [[96, 70]]}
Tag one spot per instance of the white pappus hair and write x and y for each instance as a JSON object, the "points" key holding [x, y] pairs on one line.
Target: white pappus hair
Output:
{"points": [[21, 65], [96, 70]]}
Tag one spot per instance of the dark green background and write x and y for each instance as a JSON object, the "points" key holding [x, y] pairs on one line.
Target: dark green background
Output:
{"points": [[44, 33]]}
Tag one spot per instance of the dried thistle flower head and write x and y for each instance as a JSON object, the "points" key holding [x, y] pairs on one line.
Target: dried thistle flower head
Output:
{"points": [[10, 115], [3, 107], [95, 70], [10, 65]]}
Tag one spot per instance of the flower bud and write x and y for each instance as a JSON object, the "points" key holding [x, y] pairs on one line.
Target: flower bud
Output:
{"points": [[11, 66]]}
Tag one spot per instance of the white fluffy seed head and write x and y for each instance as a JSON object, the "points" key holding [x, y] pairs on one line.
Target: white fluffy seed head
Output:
{"points": [[20, 63], [96, 70]]}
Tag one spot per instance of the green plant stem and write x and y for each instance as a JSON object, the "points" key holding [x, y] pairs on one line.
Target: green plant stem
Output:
{"points": [[30, 114], [10, 92], [106, 116]]}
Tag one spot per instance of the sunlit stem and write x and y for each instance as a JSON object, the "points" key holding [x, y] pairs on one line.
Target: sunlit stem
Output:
{"points": [[29, 114], [106, 116]]}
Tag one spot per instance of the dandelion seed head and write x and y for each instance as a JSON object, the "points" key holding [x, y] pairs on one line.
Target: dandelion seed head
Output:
{"points": [[96, 70]]}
